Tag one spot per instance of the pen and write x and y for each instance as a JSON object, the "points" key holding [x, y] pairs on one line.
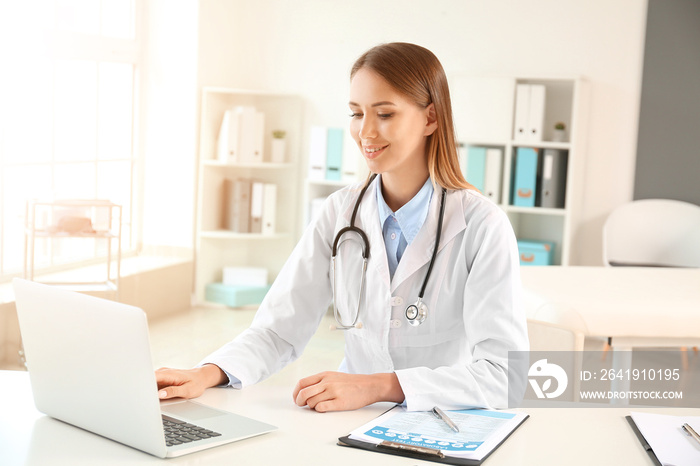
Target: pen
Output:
{"points": [[441, 414], [690, 431]]}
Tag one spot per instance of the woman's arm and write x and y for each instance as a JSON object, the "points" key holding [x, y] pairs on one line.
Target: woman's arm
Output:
{"points": [[338, 391]]}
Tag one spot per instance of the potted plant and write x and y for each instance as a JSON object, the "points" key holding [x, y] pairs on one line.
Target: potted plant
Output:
{"points": [[559, 132], [278, 146]]}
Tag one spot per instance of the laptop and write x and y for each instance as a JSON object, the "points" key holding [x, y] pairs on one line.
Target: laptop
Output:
{"points": [[90, 366]]}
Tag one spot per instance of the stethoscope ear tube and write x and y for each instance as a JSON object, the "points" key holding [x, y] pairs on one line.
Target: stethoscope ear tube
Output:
{"points": [[365, 256]]}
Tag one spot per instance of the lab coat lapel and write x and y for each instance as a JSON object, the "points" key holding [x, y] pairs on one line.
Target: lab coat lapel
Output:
{"points": [[419, 252]]}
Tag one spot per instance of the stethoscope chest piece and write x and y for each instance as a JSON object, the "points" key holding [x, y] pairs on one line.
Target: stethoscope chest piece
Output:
{"points": [[416, 313]]}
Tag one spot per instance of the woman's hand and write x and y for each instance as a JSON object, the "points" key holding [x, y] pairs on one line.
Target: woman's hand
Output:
{"points": [[188, 383], [338, 391]]}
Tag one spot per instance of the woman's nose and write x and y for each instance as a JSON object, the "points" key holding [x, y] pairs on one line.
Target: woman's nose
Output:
{"points": [[368, 130]]}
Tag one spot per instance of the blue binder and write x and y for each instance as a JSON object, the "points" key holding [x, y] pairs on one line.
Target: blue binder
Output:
{"points": [[334, 154], [525, 180], [476, 167]]}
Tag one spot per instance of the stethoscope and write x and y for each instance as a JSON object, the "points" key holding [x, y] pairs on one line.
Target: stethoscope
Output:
{"points": [[415, 313]]}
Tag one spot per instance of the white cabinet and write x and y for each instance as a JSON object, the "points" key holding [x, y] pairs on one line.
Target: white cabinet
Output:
{"points": [[486, 115], [67, 231], [216, 246]]}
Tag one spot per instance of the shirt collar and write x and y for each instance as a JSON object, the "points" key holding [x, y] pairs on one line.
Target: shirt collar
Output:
{"points": [[412, 215]]}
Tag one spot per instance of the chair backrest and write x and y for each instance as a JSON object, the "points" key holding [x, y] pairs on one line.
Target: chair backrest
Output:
{"points": [[547, 336], [653, 232]]}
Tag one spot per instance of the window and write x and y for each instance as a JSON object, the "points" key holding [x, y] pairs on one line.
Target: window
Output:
{"points": [[68, 107]]}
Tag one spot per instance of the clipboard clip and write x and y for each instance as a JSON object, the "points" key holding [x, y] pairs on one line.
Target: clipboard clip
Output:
{"points": [[413, 449]]}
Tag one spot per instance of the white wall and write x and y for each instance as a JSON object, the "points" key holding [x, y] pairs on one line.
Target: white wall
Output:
{"points": [[308, 47], [167, 136]]}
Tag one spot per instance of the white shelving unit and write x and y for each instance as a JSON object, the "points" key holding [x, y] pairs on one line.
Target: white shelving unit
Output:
{"points": [[75, 220], [217, 247], [484, 116]]}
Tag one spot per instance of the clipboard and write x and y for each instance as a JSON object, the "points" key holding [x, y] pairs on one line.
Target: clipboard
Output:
{"points": [[643, 441], [425, 454]]}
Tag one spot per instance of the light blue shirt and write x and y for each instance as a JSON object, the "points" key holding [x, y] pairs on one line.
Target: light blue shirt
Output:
{"points": [[401, 227]]}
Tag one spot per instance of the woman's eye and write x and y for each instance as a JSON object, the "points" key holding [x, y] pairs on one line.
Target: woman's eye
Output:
{"points": [[385, 115], [355, 115]]}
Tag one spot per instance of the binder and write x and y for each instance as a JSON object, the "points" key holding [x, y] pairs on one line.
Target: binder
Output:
{"points": [[525, 180], [529, 112], [535, 119], [237, 205], [476, 166], [424, 453], [553, 184], [252, 127], [227, 143], [522, 111], [334, 153], [269, 210], [256, 206], [351, 160], [317, 153], [493, 174]]}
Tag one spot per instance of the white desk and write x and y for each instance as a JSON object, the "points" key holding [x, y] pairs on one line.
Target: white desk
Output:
{"points": [[573, 436], [636, 306]]}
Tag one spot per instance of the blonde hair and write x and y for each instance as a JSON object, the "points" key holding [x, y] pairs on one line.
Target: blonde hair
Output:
{"points": [[417, 73]]}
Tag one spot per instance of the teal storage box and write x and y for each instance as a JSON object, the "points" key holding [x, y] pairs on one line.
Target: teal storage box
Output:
{"points": [[235, 296], [535, 252]]}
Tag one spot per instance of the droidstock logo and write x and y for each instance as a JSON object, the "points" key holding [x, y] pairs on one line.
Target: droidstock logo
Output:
{"points": [[541, 370]]}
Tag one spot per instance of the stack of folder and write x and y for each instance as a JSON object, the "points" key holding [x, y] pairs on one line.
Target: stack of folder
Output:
{"points": [[529, 112], [249, 206], [539, 180], [241, 136], [333, 156], [483, 168]]}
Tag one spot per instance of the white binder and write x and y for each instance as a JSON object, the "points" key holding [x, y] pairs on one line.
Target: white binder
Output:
{"points": [[522, 112], [227, 144], [535, 119], [269, 210], [251, 139], [351, 160], [256, 207], [492, 177], [317, 153]]}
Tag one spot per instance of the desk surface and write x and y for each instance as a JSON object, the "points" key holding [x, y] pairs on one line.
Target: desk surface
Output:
{"points": [[597, 436], [645, 302]]}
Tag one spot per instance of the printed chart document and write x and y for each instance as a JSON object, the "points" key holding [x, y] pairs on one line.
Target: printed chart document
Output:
{"points": [[422, 434]]}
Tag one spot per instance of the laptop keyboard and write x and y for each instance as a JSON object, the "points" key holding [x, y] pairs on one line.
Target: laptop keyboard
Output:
{"points": [[178, 432]]}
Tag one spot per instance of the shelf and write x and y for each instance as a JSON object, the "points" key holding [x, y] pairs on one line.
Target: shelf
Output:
{"points": [[47, 234], [225, 234], [542, 144], [86, 287], [329, 183], [263, 165], [534, 210]]}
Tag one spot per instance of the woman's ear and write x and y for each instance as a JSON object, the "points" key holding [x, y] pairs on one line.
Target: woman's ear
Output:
{"points": [[431, 120]]}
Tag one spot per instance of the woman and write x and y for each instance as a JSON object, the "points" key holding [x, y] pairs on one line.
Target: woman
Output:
{"points": [[465, 260]]}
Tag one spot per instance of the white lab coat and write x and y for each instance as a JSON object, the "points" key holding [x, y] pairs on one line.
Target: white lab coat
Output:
{"points": [[456, 359]]}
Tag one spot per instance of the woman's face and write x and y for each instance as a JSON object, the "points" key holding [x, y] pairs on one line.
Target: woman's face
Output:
{"points": [[390, 130]]}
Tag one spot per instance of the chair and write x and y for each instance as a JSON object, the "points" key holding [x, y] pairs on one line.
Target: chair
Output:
{"points": [[560, 331], [653, 233]]}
